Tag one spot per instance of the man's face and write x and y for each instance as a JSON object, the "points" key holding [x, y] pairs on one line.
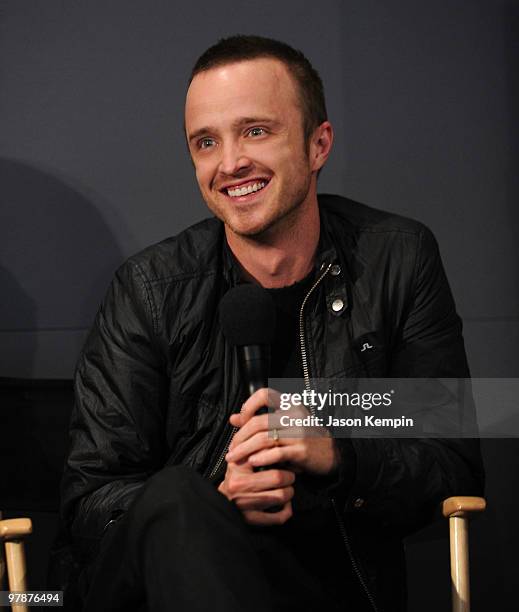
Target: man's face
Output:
{"points": [[245, 134]]}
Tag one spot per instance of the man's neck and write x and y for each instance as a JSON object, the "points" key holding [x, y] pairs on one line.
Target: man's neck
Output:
{"points": [[282, 256]]}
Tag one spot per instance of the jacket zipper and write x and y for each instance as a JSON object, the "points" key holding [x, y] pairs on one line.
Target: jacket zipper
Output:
{"points": [[306, 376], [217, 465], [354, 564], [304, 356]]}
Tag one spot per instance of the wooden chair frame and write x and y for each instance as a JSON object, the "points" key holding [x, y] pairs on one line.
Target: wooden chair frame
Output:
{"points": [[458, 510], [12, 532]]}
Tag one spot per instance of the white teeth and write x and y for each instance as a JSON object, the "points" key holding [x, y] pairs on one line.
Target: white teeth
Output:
{"points": [[241, 191]]}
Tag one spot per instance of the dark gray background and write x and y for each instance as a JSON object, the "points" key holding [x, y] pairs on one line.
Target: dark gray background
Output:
{"points": [[424, 98]]}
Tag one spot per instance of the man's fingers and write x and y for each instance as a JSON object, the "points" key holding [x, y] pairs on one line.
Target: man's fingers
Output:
{"points": [[249, 429], [255, 517], [257, 442], [235, 420], [239, 483], [268, 398], [273, 456], [265, 499]]}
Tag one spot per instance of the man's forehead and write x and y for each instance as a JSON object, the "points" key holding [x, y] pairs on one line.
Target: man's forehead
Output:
{"points": [[245, 85]]}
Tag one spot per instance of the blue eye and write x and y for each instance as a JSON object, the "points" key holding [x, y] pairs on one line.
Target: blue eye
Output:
{"points": [[256, 131], [205, 143]]}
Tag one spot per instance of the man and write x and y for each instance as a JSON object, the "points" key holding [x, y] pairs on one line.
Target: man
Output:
{"points": [[166, 514]]}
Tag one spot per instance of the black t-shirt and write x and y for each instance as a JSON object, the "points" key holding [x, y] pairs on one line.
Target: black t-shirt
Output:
{"points": [[285, 354]]}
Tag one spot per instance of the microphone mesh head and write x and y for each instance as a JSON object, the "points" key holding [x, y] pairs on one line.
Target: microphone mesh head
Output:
{"points": [[248, 315]]}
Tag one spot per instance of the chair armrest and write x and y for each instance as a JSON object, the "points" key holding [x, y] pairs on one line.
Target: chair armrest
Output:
{"points": [[14, 529], [462, 506]]}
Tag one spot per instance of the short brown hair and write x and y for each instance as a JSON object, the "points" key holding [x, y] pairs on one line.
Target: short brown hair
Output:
{"points": [[239, 48]]}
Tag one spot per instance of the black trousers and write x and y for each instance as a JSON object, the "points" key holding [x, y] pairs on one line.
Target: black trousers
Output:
{"points": [[183, 546]]}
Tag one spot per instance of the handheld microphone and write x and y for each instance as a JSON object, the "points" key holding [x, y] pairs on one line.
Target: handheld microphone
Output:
{"points": [[248, 319]]}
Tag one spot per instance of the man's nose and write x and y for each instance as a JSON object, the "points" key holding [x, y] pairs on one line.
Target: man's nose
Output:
{"points": [[233, 160]]}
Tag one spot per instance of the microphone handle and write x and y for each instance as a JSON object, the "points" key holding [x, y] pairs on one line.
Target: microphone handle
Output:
{"points": [[255, 362]]}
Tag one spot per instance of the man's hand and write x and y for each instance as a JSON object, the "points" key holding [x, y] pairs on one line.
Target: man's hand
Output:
{"points": [[307, 449], [253, 492]]}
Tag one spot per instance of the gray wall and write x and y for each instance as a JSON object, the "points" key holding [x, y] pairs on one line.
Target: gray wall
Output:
{"points": [[93, 166]]}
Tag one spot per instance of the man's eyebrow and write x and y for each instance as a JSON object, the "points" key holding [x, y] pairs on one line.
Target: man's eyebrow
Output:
{"points": [[201, 132], [248, 120], [204, 131]]}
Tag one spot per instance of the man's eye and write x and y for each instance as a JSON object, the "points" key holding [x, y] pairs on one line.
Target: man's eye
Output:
{"points": [[205, 143], [256, 131]]}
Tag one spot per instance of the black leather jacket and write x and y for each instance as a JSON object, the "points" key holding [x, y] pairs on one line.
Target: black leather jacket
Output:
{"points": [[156, 381]]}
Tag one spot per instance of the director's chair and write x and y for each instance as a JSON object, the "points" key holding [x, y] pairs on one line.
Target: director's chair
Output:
{"points": [[457, 509]]}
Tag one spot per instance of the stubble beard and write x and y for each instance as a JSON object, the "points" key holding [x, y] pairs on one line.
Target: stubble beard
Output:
{"points": [[282, 221]]}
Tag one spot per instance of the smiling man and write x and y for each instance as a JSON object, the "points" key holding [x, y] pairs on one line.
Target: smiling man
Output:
{"points": [[164, 512], [250, 153], [256, 164]]}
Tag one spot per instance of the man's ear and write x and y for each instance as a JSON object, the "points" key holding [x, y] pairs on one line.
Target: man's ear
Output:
{"points": [[321, 145]]}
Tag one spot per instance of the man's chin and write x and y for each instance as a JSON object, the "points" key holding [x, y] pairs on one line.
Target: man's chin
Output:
{"points": [[261, 229], [249, 230], [245, 225]]}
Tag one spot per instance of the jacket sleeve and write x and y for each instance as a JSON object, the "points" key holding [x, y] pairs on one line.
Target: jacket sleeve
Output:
{"points": [[116, 430], [401, 482]]}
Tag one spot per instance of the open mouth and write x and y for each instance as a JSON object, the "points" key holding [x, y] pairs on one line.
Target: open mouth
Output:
{"points": [[245, 189]]}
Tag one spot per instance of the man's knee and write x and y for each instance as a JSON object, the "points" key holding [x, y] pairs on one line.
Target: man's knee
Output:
{"points": [[177, 491]]}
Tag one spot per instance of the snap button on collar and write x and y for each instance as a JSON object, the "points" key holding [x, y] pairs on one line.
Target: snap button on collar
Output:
{"points": [[335, 270], [337, 305]]}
